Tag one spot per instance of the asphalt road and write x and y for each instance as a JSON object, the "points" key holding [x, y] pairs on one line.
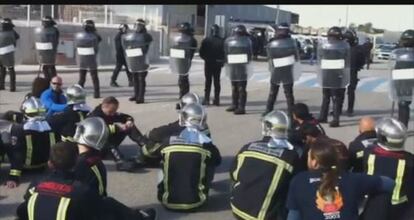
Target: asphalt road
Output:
{"points": [[229, 132]]}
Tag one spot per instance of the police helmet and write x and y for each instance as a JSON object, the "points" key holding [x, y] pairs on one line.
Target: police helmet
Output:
{"points": [[92, 132], [193, 115], [89, 25], [139, 25], [75, 94], [407, 38], [7, 24], [185, 27], [33, 107], [391, 133], [189, 98], [282, 31], [335, 32], [351, 37], [275, 124], [240, 30], [215, 30], [123, 28], [48, 21]]}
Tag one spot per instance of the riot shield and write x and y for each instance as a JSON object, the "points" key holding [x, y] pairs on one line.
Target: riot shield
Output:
{"points": [[46, 43], [284, 62], [136, 48], [7, 48], [238, 54], [402, 74], [180, 53], [86, 50], [334, 64], [5, 131]]}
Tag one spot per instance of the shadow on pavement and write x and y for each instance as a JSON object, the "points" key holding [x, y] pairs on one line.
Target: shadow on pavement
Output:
{"points": [[8, 210]]}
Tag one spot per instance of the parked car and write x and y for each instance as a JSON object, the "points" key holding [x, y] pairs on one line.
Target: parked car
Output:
{"points": [[385, 51]]}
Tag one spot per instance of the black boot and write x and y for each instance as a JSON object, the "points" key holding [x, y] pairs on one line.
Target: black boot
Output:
{"points": [[323, 115], [234, 99], [2, 77], [12, 75], [216, 100], [121, 164], [242, 103], [141, 89]]}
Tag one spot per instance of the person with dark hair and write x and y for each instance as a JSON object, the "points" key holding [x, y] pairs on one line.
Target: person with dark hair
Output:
{"points": [[326, 191], [53, 98], [212, 52], [120, 57], [120, 125], [262, 170], [39, 85], [302, 116], [388, 157], [59, 192]]}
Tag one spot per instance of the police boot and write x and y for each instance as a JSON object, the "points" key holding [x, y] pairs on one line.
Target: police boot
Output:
{"points": [[234, 99], [130, 78], [336, 113], [95, 81], [12, 75], [216, 100], [206, 100], [2, 77], [141, 90], [114, 84], [242, 103], [270, 102]]}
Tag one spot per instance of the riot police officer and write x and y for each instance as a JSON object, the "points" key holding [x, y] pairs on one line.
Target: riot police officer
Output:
{"points": [[46, 41], [334, 72], [357, 63], [262, 171], [29, 143], [284, 64], [86, 43], [239, 52], [182, 52], [8, 38], [136, 45], [120, 57], [64, 123], [212, 52], [402, 81]]}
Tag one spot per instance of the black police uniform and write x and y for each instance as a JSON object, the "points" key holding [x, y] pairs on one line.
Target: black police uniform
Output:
{"points": [[28, 150], [59, 196], [4, 70], [357, 63], [90, 170], [261, 177], [116, 135], [399, 166], [188, 172], [157, 136], [64, 123], [120, 60], [356, 149], [49, 71], [94, 74], [212, 52], [183, 81]]}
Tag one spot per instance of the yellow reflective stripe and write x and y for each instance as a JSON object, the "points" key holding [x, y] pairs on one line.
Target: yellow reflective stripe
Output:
{"points": [[31, 206], [67, 139], [371, 164], [31, 190], [241, 214], [112, 128], [52, 139], [63, 207], [29, 149], [240, 162], [81, 116], [396, 199], [34, 166], [360, 154], [148, 153], [281, 165], [14, 172], [185, 148], [14, 118], [99, 177]]}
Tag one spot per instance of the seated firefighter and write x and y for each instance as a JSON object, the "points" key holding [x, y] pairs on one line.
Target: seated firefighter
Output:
{"points": [[188, 162], [28, 144], [91, 136], [262, 171], [149, 153], [64, 123], [120, 125]]}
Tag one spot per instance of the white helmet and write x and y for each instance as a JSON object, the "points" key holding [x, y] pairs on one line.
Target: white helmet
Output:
{"points": [[92, 132], [275, 124], [193, 115], [189, 98], [391, 133], [76, 94], [32, 107]]}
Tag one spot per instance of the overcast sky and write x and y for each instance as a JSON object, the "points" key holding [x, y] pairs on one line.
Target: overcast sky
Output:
{"points": [[390, 17]]}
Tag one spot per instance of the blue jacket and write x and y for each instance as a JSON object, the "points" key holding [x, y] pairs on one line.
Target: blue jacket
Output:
{"points": [[52, 102]]}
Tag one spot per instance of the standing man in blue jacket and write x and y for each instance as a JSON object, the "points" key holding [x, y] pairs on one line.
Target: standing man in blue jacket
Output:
{"points": [[53, 98]]}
